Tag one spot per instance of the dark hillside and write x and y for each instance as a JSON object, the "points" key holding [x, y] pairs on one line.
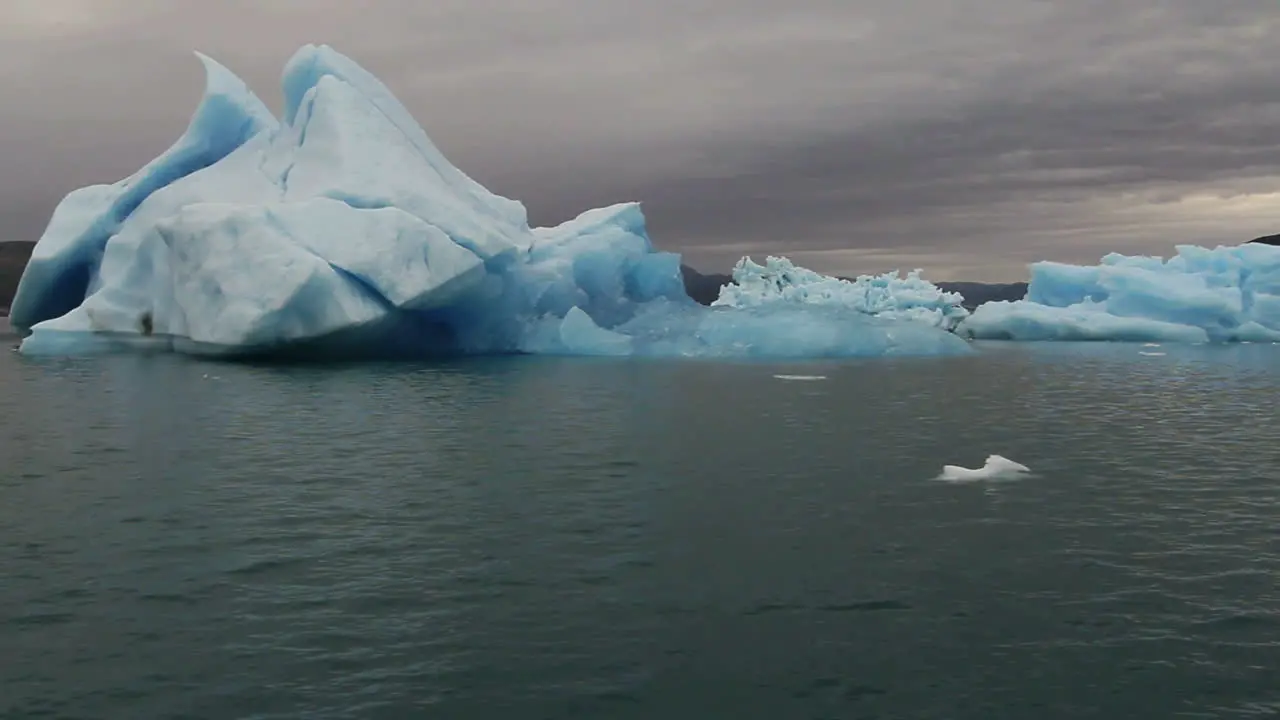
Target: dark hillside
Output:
{"points": [[13, 260]]}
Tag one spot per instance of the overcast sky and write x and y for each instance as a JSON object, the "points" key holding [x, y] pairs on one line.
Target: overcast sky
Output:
{"points": [[967, 137]]}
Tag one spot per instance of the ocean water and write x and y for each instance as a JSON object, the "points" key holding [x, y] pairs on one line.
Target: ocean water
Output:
{"points": [[556, 538]]}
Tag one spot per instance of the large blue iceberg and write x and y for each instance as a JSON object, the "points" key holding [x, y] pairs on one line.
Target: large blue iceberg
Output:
{"points": [[1200, 295], [340, 229]]}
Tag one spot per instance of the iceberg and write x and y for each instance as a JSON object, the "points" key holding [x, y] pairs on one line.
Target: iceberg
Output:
{"points": [[888, 296], [996, 467], [1200, 295], [339, 229]]}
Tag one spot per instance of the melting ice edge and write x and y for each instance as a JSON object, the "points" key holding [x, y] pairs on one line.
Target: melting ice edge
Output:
{"points": [[340, 229]]}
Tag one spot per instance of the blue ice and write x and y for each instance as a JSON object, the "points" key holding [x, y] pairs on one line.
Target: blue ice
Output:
{"points": [[341, 229], [1200, 295]]}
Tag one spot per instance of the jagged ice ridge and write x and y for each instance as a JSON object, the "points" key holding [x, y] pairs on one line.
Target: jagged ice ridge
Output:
{"points": [[889, 296], [340, 229]]}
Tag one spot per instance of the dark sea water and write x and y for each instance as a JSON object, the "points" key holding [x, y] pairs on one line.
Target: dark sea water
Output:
{"points": [[551, 538]]}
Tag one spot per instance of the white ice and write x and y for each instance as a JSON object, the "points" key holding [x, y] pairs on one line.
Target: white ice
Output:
{"points": [[889, 296], [996, 467], [1200, 295], [340, 228]]}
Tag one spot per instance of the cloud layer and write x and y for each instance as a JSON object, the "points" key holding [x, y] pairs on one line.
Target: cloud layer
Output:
{"points": [[963, 136]]}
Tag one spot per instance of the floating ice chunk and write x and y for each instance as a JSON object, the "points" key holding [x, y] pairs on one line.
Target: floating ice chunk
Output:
{"points": [[1152, 354], [1200, 295], [1022, 320], [996, 467], [801, 377], [887, 296], [578, 334]]}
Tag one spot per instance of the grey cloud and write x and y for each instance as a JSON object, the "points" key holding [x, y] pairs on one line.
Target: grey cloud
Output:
{"points": [[968, 135]]}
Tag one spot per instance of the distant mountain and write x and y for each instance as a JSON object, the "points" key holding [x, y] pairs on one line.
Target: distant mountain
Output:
{"points": [[13, 260], [703, 288], [1267, 240]]}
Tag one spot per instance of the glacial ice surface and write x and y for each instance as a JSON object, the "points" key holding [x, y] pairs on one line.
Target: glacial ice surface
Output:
{"points": [[340, 228], [887, 296], [1200, 295]]}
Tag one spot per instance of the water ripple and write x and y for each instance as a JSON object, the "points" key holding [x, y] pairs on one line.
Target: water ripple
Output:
{"points": [[545, 538]]}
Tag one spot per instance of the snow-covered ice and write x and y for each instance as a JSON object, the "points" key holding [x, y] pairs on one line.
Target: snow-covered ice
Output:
{"points": [[888, 296], [996, 467], [1200, 295], [340, 228]]}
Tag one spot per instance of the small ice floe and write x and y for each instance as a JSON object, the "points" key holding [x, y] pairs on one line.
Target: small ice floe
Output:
{"points": [[1152, 345], [801, 377], [997, 467], [1151, 354]]}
